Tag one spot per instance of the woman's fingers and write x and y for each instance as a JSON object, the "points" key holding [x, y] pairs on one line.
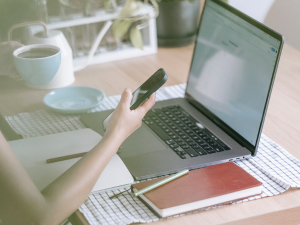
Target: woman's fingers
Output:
{"points": [[144, 108], [126, 97]]}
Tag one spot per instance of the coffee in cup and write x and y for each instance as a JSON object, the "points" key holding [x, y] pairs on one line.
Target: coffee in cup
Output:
{"points": [[36, 53], [37, 64]]}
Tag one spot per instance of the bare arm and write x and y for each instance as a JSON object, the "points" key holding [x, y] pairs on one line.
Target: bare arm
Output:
{"points": [[22, 203]]}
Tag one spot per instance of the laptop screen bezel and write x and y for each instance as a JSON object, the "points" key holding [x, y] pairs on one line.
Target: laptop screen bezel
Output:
{"points": [[216, 120]]}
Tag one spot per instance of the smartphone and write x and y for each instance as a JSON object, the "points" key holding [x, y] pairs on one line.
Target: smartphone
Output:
{"points": [[145, 90]]}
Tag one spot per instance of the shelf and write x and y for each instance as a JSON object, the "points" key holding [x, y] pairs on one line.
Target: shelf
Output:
{"points": [[119, 54], [100, 16], [102, 55]]}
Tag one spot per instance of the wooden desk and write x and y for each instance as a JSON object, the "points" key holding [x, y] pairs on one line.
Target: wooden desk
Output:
{"points": [[282, 122]]}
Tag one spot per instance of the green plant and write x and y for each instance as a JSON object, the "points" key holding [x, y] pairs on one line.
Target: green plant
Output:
{"points": [[127, 16]]}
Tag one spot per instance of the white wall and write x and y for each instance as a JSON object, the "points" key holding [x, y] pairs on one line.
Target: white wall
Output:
{"points": [[284, 16], [257, 9]]}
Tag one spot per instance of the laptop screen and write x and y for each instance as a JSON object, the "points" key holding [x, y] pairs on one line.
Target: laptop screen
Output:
{"points": [[232, 69]]}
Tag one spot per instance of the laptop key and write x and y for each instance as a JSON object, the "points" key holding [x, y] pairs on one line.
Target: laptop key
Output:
{"points": [[174, 146], [190, 142], [194, 128], [187, 139], [150, 113], [159, 132], [204, 137], [191, 152], [195, 146], [210, 151], [222, 144], [185, 146], [181, 143], [213, 144], [218, 149], [203, 144], [200, 151], [170, 142], [199, 141]]}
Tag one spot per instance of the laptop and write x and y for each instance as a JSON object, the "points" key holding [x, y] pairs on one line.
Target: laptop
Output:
{"points": [[221, 117]]}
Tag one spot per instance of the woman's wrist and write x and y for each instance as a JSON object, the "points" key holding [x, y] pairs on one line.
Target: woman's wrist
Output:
{"points": [[115, 136]]}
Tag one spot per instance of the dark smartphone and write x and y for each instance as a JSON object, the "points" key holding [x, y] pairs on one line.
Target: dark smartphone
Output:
{"points": [[148, 87], [145, 90]]}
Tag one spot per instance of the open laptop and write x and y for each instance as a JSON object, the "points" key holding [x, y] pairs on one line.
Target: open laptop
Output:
{"points": [[221, 117]]}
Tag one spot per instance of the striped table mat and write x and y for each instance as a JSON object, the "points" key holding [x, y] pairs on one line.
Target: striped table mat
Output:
{"points": [[273, 166]]}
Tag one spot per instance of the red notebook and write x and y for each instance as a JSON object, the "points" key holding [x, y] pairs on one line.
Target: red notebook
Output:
{"points": [[204, 187]]}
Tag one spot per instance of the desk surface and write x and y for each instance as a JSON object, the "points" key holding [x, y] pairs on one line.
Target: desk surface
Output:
{"points": [[282, 122]]}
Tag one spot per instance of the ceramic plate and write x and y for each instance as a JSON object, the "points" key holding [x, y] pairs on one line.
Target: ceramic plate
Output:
{"points": [[74, 99]]}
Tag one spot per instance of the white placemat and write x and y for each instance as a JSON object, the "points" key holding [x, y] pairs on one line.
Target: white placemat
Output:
{"points": [[273, 166]]}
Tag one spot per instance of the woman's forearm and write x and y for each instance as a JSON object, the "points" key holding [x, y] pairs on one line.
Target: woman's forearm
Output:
{"points": [[19, 196], [64, 195]]}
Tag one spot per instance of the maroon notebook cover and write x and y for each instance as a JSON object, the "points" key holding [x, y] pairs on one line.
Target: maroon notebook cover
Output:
{"points": [[199, 184]]}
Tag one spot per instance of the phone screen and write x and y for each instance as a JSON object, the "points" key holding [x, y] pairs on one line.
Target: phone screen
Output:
{"points": [[139, 94]]}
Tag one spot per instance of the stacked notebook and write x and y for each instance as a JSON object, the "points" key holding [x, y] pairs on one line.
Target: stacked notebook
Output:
{"points": [[209, 186]]}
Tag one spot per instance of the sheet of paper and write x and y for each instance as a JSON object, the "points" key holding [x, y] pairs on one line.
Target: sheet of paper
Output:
{"points": [[33, 153]]}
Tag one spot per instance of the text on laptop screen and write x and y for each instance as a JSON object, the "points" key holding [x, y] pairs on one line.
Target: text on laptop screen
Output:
{"points": [[232, 69]]}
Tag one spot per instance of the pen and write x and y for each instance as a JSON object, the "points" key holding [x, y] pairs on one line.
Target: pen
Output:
{"points": [[57, 159], [159, 183], [66, 157]]}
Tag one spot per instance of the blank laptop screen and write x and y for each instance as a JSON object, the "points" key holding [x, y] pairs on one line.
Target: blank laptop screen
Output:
{"points": [[232, 69]]}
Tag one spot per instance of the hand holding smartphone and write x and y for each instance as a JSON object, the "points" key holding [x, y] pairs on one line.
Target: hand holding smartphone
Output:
{"points": [[145, 90]]}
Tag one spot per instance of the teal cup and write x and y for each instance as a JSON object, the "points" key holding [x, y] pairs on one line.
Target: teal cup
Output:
{"points": [[37, 64]]}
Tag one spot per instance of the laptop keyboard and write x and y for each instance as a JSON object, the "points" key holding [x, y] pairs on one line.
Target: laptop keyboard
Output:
{"points": [[182, 132]]}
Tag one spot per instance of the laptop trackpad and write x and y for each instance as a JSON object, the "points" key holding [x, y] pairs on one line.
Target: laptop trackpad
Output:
{"points": [[140, 142]]}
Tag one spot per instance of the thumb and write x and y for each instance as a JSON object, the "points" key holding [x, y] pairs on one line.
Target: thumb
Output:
{"points": [[126, 97]]}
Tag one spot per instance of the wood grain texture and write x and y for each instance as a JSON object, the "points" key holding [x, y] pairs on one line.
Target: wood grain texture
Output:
{"points": [[288, 216], [282, 122]]}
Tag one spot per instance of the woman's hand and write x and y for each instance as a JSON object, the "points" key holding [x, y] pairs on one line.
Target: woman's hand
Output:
{"points": [[124, 121]]}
